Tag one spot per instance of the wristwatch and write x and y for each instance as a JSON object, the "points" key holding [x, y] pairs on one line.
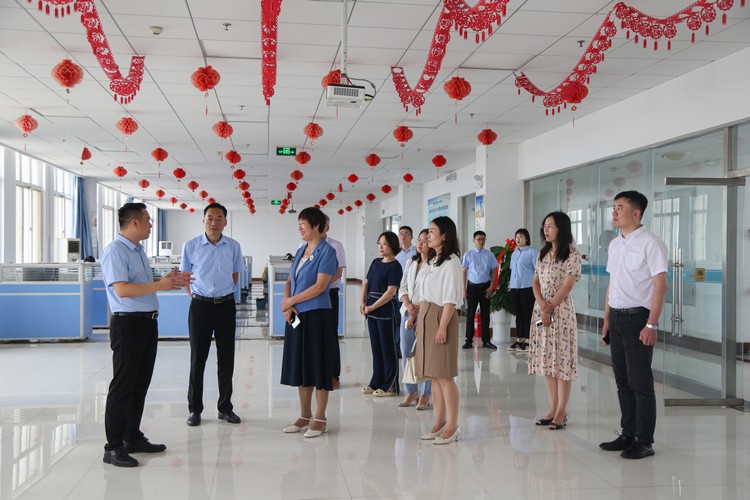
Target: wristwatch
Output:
{"points": [[652, 326]]}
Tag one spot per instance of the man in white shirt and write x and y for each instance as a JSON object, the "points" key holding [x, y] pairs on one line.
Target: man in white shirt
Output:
{"points": [[637, 267]]}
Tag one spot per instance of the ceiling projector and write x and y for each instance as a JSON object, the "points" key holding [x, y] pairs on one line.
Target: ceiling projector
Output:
{"points": [[345, 96]]}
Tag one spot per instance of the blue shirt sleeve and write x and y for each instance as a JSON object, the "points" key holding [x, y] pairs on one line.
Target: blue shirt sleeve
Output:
{"points": [[237, 266], [465, 262], [493, 261], [185, 265], [115, 267]]}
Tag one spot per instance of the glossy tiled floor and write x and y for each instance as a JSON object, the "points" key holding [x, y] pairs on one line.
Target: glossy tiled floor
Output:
{"points": [[51, 425]]}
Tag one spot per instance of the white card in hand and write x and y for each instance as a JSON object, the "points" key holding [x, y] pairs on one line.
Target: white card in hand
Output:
{"points": [[296, 321]]}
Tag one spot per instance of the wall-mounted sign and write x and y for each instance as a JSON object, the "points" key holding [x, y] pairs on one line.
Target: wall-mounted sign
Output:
{"points": [[438, 206]]}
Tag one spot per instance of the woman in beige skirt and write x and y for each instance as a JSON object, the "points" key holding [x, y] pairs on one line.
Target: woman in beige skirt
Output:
{"points": [[439, 285]]}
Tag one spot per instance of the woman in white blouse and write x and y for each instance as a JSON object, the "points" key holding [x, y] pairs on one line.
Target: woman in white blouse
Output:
{"points": [[409, 311], [440, 288]]}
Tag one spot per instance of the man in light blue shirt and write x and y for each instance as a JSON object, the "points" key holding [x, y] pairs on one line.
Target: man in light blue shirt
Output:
{"points": [[479, 282], [134, 334], [216, 262], [408, 250]]}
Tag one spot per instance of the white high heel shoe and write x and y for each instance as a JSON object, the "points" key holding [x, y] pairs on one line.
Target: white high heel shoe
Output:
{"points": [[310, 433], [293, 428], [452, 439], [429, 436]]}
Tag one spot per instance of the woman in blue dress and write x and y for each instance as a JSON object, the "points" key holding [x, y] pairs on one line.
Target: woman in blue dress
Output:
{"points": [[309, 338], [380, 306]]}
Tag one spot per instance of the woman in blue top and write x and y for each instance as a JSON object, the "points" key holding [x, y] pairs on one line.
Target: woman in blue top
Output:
{"points": [[522, 265], [309, 345], [380, 306]]}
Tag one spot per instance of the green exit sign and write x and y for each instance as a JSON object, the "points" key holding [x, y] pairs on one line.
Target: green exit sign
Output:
{"points": [[285, 151], [275, 202]]}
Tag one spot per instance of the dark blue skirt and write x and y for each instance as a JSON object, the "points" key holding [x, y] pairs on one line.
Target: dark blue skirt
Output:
{"points": [[309, 353]]}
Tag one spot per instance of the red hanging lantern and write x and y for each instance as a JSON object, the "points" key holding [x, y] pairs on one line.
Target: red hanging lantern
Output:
{"points": [[192, 210], [192, 185], [303, 157], [127, 125], [249, 202], [403, 134], [323, 202], [297, 175], [238, 174], [439, 161], [244, 186], [358, 203], [487, 136], [246, 194], [179, 173], [386, 188], [233, 157], [173, 200], [333, 76], [341, 211], [340, 188], [457, 88], [352, 178], [143, 183], [573, 93], [159, 155], [120, 171], [183, 205], [85, 155], [26, 124], [205, 78], [370, 197], [313, 131], [408, 178], [160, 193], [330, 196], [317, 206], [211, 201], [203, 195], [349, 208], [252, 211], [68, 74], [223, 129], [373, 160], [290, 186]]}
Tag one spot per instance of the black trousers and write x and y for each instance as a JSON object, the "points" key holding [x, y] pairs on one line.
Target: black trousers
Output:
{"points": [[334, 294], [383, 333], [133, 342], [475, 295], [523, 302], [207, 320], [631, 362]]}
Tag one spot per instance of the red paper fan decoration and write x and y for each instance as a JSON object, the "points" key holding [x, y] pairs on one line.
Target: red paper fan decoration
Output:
{"points": [[85, 155], [408, 178], [290, 186], [26, 124], [143, 183], [487, 136], [403, 134], [183, 205], [203, 194], [205, 78], [297, 175], [341, 211], [349, 208], [159, 155], [573, 93], [330, 196], [120, 171], [333, 76], [244, 186], [68, 74], [223, 129], [192, 185], [370, 197], [179, 173], [457, 88], [313, 131], [303, 157], [439, 161], [127, 125], [211, 200], [173, 200], [373, 160], [386, 188], [352, 178], [233, 157], [238, 174], [358, 203], [160, 193]]}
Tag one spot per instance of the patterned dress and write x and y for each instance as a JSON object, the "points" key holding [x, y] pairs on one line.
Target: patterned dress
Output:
{"points": [[553, 350]]}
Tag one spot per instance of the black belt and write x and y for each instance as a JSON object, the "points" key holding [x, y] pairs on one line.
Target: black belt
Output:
{"points": [[485, 284], [149, 315], [214, 300], [629, 312]]}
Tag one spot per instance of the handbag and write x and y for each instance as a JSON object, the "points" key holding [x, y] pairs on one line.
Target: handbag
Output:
{"points": [[410, 369]]}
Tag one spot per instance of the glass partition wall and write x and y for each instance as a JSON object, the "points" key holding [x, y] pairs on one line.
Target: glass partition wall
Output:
{"points": [[692, 209]]}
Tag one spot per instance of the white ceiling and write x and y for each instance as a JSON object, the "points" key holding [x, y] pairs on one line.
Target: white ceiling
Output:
{"points": [[538, 37]]}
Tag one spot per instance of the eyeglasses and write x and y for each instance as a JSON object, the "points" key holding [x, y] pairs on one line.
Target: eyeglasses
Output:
{"points": [[549, 226]]}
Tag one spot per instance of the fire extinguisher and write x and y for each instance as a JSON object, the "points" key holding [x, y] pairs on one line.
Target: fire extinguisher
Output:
{"points": [[477, 324]]}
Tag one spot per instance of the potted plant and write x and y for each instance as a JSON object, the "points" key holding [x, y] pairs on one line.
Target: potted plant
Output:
{"points": [[500, 301]]}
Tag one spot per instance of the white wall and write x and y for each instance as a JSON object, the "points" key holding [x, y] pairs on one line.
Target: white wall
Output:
{"points": [[8, 206]]}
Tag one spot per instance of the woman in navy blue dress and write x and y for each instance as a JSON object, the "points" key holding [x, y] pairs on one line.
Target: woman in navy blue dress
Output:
{"points": [[308, 357], [380, 306]]}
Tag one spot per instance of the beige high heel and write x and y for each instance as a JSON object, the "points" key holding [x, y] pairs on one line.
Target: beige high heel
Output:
{"points": [[429, 436], [452, 439], [310, 433], [294, 428]]}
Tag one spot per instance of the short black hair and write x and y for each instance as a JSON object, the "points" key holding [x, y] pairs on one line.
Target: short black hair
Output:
{"points": [[525, 233], [215, 205], [407, 228], [392, 240], [89, 258], [128, 212], [478, 233], [315, 217], [638, 200]]}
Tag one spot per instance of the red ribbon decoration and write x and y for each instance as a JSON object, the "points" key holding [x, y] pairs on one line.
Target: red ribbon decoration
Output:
{"points": [[458, 15], [124, 87], [631, 19], [269, 33]]}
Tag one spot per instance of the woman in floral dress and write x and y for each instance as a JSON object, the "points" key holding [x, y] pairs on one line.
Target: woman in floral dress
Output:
{"points": [[554, 332]]}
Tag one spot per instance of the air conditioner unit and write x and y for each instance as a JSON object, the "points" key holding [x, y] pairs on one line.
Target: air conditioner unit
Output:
{"points": [[165, 249], [345, 96], [68, 249]]}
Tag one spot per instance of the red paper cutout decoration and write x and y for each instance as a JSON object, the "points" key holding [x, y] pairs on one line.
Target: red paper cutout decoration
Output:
{"points": [[457, 88], [386, 188], [313, 131], [183, 205], [173, 200], [370, 197], [238, 174], [330, 196], [408, 178], [127, 126], [244, 186], [223, 129], [205, 79], [358, 203], [233, 157], [303, 157], [297, 175], [487, 136], [85, 155], [270, 10], [211, 200], [143, 183], [68, 74], [120, 171], [192, 185], [203, 194], [290, 186], [179, 173], [26, 124], [439, 161], [403, 134], [159, 155], [353, 178], [160, 193], [333, 76], [124, 87], [373, 160]]}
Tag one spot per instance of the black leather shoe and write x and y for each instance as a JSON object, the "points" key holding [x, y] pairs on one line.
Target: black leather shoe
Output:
{"points": [[620, 444], [230, 417], [119, 458], [194, 419], [638, 450], [143, 446], [489, 345], [468, 344]]}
